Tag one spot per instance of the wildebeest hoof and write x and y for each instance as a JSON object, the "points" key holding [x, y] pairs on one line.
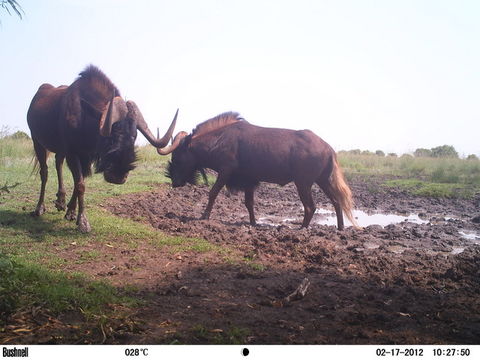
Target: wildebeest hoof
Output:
{"points": [[38, 211], [83, 224], [60, 205], [70, 215]]}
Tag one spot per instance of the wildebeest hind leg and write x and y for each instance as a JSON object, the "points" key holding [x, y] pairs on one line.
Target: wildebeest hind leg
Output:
{"points": [[327, 189], [305, 193], [249, 204], [41, 154], [60, 202]]}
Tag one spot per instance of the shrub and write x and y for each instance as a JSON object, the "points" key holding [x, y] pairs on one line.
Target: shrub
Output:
{"points": [[20, 135], [422, 153], [444, 151]]}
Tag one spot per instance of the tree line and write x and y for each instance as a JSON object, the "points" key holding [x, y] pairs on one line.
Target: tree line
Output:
{"points": [[443, 151]]}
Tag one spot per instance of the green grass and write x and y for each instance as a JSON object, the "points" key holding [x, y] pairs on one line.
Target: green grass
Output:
{"points": [[440, 170], [23, 283], [421, 176], [438, 190]]}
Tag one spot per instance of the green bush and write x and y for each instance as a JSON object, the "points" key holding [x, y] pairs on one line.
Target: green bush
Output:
{"points": [[447, 151], [422, 153]]}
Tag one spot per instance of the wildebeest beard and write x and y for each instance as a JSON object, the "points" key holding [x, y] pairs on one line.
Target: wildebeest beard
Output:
{"points": [[172, 170], [116, 153]]}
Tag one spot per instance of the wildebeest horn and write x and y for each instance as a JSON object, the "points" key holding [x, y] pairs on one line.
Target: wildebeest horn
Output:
{"points": [[143, 127], [116, 110], [176, 141]]}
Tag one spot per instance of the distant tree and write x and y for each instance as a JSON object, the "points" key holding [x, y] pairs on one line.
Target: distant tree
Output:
{"points": [[472, 157], [367, 152], [380, 153], [422, 153], [392, 154], [355, 152], [6, 4], [444, 151]]}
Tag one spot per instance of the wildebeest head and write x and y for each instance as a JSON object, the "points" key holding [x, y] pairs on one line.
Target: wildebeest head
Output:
{"points": [[182, 168], [118, 129], [116, 155]]}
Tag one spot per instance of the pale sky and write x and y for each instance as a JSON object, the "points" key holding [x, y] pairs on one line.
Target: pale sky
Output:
{"points": [[390, 75]]}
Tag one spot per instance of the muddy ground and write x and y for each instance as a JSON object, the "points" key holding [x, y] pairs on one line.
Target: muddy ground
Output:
{"points": [[406, 283]]}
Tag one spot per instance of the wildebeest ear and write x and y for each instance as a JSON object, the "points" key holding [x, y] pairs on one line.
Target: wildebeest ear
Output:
{"points": [[115, 110]]}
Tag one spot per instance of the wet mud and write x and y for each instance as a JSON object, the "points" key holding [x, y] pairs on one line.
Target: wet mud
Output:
{"points": [[411, 278]]}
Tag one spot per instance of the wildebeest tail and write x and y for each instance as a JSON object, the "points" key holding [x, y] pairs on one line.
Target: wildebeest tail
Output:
{"points": [[342, 191]]}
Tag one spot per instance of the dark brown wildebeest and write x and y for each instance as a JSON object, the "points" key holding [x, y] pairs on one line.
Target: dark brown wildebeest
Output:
{"points": [[86, 122], [243, 155]]}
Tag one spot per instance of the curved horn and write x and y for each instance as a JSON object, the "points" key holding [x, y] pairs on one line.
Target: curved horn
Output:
{"points": [[143, 127], [168, 149], [116, 110]]}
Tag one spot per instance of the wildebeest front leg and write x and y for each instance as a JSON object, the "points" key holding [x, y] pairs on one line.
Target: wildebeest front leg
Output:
{"points": [[71, 213], [78, 193], [219, 184], [249, 204], [60, 202], [42, 155]]}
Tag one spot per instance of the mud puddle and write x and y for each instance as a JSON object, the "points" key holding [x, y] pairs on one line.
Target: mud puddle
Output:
{"points": [[324, 216]]}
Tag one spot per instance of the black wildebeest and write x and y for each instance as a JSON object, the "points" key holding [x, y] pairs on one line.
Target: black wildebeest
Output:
{"points": [[244, 155], [86, 122]]}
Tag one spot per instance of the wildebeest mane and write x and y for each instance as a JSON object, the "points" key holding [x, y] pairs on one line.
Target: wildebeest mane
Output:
{"points": [[218, 122], [98, 80]]}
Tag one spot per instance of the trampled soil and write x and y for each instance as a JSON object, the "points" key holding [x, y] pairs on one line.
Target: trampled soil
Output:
{"points": [[406, 283]]}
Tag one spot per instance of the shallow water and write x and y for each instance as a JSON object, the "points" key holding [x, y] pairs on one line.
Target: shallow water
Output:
{"points": [[470, 235], [363, 218]]}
